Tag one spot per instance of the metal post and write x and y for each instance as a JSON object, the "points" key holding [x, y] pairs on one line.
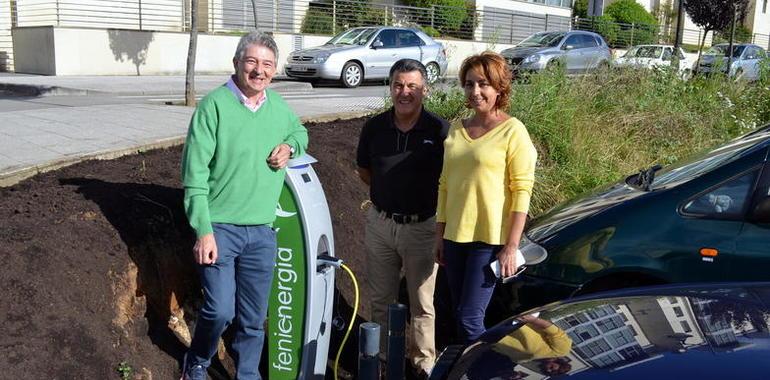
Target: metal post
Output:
{"points": [[432, 15], [546, 22], [334, 17], [510, 39], [396, 341], [57, 12], [732, 38], [140, 14], [633, 26], [368, 350]]}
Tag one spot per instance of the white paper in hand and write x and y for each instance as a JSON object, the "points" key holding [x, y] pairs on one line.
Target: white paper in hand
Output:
{"points": [[520, 262]]}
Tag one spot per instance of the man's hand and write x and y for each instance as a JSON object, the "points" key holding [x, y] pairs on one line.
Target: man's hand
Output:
{"points": [[440, 243], [205, 250], [279, 157]]}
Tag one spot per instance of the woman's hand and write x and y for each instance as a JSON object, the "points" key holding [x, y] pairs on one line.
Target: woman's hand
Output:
{"points": [[507, 257]]}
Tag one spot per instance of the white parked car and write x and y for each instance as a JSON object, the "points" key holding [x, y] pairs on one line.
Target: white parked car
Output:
{"points": [[651, 56]]}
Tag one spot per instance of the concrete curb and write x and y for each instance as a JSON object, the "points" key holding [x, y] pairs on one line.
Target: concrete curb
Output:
{"points": [[15, 176]]}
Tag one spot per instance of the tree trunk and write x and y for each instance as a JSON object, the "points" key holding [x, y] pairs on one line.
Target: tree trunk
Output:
{"points": [[189, 82], [254, 10], [700, 48]]}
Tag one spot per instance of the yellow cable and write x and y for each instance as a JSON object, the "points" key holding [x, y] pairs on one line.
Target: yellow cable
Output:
{"points": [[352, 320]]}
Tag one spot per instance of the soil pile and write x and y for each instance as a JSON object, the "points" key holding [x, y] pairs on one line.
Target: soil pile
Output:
{"points": [[97, 260]]}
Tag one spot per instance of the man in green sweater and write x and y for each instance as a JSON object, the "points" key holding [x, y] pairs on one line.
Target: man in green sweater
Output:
{"points": [[240, 139]]}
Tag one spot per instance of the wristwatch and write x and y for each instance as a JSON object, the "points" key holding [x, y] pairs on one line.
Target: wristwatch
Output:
{"points": [[291, 150]]}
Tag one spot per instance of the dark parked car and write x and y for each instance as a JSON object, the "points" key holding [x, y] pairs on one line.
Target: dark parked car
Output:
{"points": [[702, 219], [704, 332]]}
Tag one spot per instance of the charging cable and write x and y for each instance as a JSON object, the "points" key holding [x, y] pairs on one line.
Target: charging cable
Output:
{"points": [[333, 261]]}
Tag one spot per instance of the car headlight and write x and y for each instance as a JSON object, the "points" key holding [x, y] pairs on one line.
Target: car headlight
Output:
{"points": [[321, 58], [533, 253], [532, 58]]}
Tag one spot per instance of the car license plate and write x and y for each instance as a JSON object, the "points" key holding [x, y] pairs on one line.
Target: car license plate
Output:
{"points": [[299, 68]]}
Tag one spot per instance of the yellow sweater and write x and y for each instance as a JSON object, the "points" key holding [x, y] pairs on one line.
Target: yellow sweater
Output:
{"points": [[527, 344], [484, 180]]}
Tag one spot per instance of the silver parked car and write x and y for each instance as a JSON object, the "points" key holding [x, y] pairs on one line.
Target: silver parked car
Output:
{"points": [[745, 64], [577, 51], [366, 53]]}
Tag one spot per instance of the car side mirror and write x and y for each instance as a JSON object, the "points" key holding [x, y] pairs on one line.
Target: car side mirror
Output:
{"points": [[569, 47], [377, 44]]}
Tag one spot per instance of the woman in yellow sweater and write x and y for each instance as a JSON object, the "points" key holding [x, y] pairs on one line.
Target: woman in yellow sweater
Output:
{"points": [[484, 191]]}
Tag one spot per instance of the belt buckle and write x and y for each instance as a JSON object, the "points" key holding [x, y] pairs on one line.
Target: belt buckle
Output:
{"points": [[404, 218]]}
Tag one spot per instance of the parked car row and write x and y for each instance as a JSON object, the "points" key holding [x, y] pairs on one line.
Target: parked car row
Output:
{"points": [[367, 53]]}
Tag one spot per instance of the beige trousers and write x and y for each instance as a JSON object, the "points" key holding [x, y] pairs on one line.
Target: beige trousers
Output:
{"points": [[389, 247]]}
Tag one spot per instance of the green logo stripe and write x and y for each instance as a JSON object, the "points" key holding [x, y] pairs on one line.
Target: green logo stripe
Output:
{"points": [[286, 311]]}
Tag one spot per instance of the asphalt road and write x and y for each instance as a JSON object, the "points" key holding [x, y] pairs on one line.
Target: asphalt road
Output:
{"points": [[328, 94]]}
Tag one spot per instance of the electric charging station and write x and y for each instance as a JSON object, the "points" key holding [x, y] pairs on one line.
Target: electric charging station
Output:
{"points": [[302, 294]]}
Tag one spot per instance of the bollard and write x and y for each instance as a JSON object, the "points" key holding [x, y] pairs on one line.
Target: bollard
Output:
{"points": [[368, 351], [396, 342]]}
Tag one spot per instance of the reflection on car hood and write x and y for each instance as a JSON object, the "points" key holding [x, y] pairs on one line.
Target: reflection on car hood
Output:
{"points": [[573, 211], [518, 52], [312, 52], [717, 331]]}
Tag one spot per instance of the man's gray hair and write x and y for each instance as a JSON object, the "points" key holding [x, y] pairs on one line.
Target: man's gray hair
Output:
{"points": [[255, 38], [407, 65]]}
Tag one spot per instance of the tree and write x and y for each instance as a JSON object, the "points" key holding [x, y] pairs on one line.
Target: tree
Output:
{"points": [[713, 15], [189, 81], [637, 25], [447, 15], [580, 9]]}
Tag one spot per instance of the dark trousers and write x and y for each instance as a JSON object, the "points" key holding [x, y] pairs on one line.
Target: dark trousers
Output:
{"points": [[235, 288], [471, 283]]}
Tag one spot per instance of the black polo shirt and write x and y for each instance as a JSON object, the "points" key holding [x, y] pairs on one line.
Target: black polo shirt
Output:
{"points": [[405, 166]]}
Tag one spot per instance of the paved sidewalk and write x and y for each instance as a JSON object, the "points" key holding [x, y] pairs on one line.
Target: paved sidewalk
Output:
{"points": [[38, 140]]}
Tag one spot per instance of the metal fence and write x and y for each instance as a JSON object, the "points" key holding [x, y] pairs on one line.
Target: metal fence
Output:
{"points": [[328, 17], [325, 17], [625, 35]]}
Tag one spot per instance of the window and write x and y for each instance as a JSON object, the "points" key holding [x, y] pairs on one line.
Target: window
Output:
{"points": [[573, 40], [587, 41], [686, 326], [388, 38], [407, 38], [678, 311], [726, 201], [667, 54], [681, 54]]}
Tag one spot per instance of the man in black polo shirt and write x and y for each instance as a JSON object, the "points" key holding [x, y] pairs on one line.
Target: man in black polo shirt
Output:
{"points": [[400, 155]]}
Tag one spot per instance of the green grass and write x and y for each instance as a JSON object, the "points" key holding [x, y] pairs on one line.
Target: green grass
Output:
{"points": [[597, 129]]}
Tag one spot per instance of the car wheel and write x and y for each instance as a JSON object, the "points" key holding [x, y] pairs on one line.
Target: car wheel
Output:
{"points": [[352, 75], [433, 72], [603, 66], [686, 74]]}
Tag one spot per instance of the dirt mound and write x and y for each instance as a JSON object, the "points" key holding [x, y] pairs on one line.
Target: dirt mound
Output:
{"points": [[97, 260]]}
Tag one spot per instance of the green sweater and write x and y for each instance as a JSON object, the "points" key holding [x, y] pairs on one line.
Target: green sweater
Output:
{"points": [[225, 173]]}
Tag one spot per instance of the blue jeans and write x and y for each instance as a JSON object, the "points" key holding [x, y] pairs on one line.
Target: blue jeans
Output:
{"points": [[236, 287], [471, 283]]}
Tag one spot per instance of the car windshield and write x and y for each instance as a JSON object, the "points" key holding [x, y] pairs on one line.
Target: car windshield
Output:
{"points": [[542, 39], [645, 52], [722, 50], [685, 170], [356, 36]]}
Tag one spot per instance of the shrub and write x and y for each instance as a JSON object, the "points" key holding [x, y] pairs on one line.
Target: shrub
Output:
{"points": [[596, 129], [448, 14]]}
